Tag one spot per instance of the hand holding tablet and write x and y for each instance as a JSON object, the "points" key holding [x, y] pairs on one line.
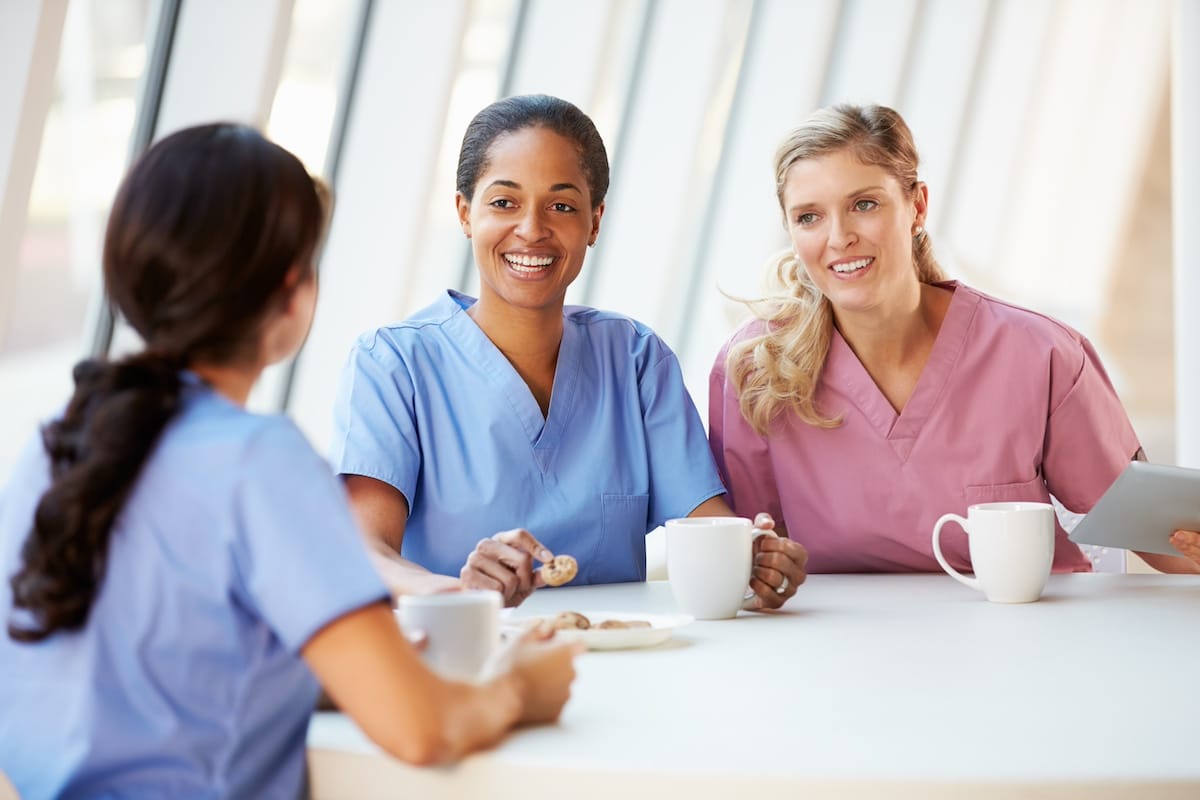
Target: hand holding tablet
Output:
{"points": [[1144, 506]]}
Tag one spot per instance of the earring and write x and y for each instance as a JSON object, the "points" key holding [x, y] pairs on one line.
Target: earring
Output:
{"points": [[918, 232]]}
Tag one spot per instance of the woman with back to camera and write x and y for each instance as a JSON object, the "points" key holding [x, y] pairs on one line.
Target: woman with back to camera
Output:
{"points": [[177, 564], [874, 395], [515, 411]]}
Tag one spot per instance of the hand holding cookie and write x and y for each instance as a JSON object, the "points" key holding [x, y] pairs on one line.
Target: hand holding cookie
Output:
{"points": [[505, 563]]}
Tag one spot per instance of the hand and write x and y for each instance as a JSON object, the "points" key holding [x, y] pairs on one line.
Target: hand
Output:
{"points": [[504, 563], [1187, 543], [778, 562], [544, 672]]}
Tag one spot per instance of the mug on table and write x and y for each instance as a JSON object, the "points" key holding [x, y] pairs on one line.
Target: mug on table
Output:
{"points": [[709, 560], [1011, 548]]}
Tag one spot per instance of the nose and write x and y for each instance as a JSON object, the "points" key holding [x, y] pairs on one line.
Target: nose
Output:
{"points": [[532, 225], [841, 232]]}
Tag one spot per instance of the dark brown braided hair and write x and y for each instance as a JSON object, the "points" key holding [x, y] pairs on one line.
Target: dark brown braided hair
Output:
{"points": [[203, 232]]}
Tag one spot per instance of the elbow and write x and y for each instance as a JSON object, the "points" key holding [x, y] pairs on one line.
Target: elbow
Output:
{"points": [[423, 751]]}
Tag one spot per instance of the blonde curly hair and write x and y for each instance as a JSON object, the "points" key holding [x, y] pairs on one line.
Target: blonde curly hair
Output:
{"points": [[778, 370]]}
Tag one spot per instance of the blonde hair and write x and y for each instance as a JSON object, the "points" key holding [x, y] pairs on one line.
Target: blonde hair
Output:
{"points": [[778, 369]]}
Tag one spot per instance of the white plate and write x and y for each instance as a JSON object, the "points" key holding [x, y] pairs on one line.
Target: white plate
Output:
{"points": [[661, 626]]}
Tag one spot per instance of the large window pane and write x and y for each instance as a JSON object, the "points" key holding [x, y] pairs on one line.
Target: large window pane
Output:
{"points": [[84, 152]]}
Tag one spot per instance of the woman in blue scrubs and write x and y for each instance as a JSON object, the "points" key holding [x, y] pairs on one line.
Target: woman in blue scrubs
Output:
{"points": [[514, 411], [177, 568]]}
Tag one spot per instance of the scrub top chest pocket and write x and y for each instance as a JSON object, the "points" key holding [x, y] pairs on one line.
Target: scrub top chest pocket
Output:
{"points": [[620, 553]]}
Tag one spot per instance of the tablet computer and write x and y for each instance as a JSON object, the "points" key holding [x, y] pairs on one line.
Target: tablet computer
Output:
{"points": [[1144, 505]]}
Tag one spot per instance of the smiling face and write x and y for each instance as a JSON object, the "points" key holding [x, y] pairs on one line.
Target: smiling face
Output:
{"points": [[530, 220], [852, 227]]}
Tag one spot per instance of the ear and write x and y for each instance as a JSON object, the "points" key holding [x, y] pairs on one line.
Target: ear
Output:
{"points": [[463, 205], [920, 205], [597, 213], [296, 276]]}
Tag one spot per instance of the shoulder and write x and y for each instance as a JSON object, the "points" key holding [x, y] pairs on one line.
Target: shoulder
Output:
{"points": [[616, 333], [749, 329], [1024, 328], [390, 345], [210, 421]]}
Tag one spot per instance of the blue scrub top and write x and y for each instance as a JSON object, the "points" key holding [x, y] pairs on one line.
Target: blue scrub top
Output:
{"points": [[433, 408], [235, 547]]}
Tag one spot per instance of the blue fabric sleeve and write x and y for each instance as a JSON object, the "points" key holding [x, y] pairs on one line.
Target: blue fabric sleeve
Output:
{"points": [[375, 431], [299, 558], [682, 471]]}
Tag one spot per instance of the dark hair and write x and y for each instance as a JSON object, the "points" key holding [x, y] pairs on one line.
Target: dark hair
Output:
{"points": [[201, 237], [513, 114]]}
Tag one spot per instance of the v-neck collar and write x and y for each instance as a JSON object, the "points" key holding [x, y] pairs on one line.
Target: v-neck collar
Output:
{"points": [[845, 373], [543, 433]]}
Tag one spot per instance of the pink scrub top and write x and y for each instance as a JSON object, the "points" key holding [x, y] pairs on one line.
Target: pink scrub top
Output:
{"points": [[1012, 405]]}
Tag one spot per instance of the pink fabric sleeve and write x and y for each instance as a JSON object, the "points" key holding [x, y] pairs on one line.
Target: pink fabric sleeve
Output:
{"points": [[1089, 438], [743, 457]]}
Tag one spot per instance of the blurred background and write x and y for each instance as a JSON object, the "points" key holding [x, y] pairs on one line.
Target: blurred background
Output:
{"points": [[1044, 127]]}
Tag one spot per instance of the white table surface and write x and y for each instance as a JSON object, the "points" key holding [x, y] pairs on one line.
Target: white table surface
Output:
{"points": [[863, 686]]}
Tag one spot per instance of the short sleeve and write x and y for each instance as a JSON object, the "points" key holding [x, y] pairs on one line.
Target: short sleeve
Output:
{"points": [[375, 431], [300, 560], [682, 473], [742, 455], [1089, 439]]}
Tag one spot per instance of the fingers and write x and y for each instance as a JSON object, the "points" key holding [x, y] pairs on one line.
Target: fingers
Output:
{"points": [[1187, 543], [764, 521], [778, 564], [418, 638], [524, 541], [504, 564]]}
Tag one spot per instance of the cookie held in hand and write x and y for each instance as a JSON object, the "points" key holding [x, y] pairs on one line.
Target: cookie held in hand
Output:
{"points": [[559, 570]]}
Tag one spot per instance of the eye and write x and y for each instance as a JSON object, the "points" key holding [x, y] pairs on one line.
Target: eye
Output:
{"points": [[564, 208], [502, 202], [806, 219], [865, 205]]}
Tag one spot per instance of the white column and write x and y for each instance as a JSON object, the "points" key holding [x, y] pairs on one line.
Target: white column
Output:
{"points": [[30, 34], [225, 63], [1185, 174]]}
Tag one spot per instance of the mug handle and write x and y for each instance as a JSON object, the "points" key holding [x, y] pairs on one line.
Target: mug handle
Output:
{"points": [[754, 534], [941, 559]]}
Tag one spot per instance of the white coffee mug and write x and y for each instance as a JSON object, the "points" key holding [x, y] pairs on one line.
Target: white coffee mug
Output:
{"points": [[463, 630], [1011, 548], [709, 560]]}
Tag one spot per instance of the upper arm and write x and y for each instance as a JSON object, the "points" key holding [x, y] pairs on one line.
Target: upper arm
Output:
{"points": [[682, 472], [743, 456], [375, 419], [1089, 439], [380, 508]]}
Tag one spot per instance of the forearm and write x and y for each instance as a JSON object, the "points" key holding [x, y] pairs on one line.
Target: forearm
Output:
{"points": [[1174, 564], [403, 576], [377, 679]]}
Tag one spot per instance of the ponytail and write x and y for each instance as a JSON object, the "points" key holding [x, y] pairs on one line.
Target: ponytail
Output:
{"points": [[96, 451]]}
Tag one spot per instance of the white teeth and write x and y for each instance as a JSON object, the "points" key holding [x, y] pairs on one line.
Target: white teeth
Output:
{"points": [[528, 263], [852, 266]]}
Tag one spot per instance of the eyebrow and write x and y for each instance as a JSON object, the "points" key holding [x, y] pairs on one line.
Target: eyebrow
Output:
{"points": [[558, 187], [855, 193]]}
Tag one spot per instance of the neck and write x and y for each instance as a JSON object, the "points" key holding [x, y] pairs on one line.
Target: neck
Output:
{"points": [[232, 382], [899, 333], [528, 338]]}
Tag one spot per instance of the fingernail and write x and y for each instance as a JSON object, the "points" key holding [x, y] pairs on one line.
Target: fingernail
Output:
{"points": [[546, 555]]}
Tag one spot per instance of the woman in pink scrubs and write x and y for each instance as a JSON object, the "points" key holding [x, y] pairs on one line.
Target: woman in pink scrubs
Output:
{"points": [[875, 395]]}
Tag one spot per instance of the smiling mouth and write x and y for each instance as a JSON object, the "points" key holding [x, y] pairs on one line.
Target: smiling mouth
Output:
{"points": [[528, 264], [847, 267]]}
